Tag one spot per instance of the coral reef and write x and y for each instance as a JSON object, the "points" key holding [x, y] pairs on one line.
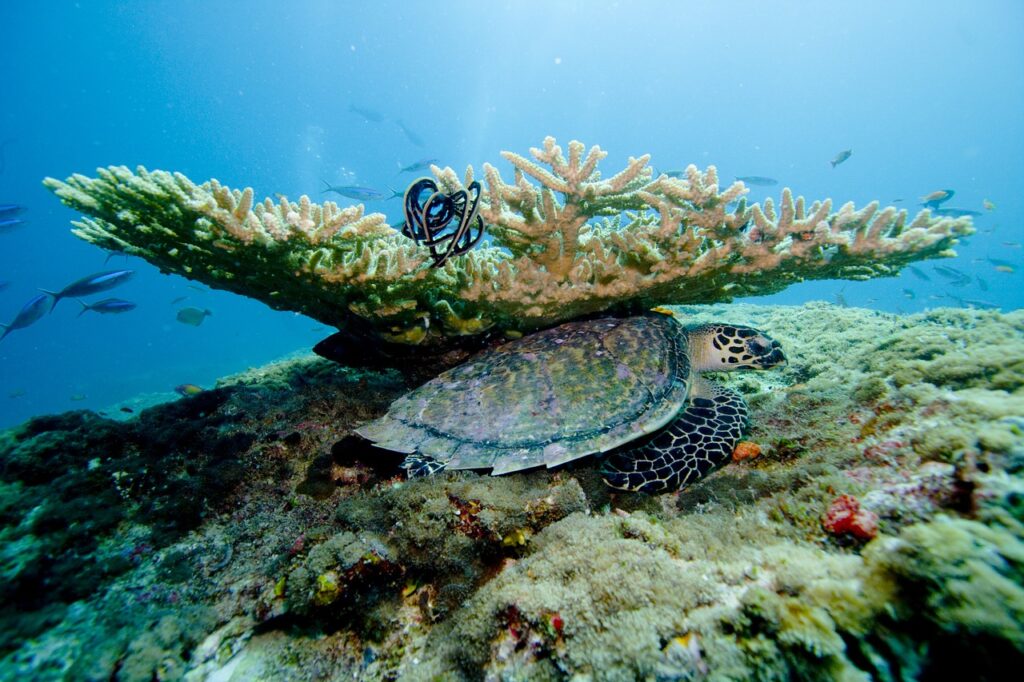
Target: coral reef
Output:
{"points": [[298, 553], [572, 244]]}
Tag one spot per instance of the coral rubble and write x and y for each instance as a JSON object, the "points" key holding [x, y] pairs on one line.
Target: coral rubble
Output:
{"points": [[569, 243]]}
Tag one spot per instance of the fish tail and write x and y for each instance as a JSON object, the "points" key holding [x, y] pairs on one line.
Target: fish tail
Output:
{"points": [[327, 186], [7, 330], [85, 306], [55, 295]]}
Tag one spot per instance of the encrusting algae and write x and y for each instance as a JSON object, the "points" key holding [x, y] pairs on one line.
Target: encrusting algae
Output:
{"points": [[242, 534]]}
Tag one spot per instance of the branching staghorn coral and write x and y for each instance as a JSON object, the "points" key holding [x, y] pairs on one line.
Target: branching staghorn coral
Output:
{"points": [[563, 243]]}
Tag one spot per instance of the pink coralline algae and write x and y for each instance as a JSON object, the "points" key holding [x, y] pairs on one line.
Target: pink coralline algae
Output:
{"points": [[846, 517]]}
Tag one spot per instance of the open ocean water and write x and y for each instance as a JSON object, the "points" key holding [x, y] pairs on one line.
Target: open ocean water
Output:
{"points": [[926, 95], [285, 97]]}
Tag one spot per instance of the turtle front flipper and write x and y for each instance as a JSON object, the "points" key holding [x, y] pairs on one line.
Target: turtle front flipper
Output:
{"points": [[699, 441]]}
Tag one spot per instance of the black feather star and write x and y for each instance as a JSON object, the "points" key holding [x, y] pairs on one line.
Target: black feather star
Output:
{"points": [[449, 224]]}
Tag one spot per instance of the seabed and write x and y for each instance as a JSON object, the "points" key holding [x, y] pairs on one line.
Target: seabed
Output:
{"points": [[242, 534]]}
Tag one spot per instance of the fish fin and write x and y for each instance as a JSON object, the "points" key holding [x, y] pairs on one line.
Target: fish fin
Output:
{"points": [[328, 186], [85, 306]]}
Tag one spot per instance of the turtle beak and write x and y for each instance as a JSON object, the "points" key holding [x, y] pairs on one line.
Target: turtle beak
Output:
{"points": [[768, 352]]}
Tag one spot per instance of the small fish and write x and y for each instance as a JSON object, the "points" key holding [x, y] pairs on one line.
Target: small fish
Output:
{"points": [[897, 201], [8, 210], [1000, 261], [29, 314], [1012, 245], [757, 180], [673, 173], [410, 134], [841, 156], [192, 316], [982, 284], [368, 114], [422, 164], [988, 205], [919, 273], [354, 192], [78, 397], [956, 212], [909, 293], [178, 300], [17, 393], [188, 389], [10, 224], [936, 198], [1005, 268], [107, 306], [841, 300], [950, 273], [197, 287], [974, 303], [91, 284], [128, 410]]}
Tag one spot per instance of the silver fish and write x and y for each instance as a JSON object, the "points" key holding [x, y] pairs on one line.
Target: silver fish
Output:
{"points": [[955, 212], [422, 164], [368, 114], [841, 156], [107, 306], [29, 314], [192, 316], [919, 273], [354, 192], [757, 180], [91, 284], [8, 224], [410, 134]]}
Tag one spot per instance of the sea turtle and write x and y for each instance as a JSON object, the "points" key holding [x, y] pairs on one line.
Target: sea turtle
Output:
{"points": [[630, 386]]}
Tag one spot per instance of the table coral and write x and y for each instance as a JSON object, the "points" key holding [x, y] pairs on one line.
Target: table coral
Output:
{"points": [[567, 244]]}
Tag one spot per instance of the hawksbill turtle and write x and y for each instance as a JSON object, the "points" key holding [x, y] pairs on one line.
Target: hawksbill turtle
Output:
{"points": [[630, 387]]}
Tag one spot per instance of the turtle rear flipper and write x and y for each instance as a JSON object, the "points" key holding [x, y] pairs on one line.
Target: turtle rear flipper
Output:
{"points": [[699, 441], [417, 465]]}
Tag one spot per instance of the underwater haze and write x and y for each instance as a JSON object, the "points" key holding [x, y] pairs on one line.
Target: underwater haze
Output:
{"points": [[927, 95], [188, 493]]}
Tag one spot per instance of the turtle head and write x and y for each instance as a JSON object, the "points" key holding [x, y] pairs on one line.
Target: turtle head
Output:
{"points": [[724, 347]]}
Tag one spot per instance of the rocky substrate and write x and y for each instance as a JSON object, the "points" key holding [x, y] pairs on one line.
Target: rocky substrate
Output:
{"points": [[875, 531]]}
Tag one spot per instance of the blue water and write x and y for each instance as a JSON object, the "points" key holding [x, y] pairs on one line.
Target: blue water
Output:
{"points": [[927, 94]]}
